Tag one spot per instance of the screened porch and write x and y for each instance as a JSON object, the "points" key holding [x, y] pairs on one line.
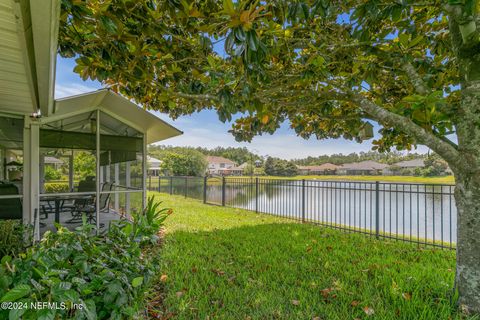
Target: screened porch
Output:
{"points": [[68, 170], [88, 159]]}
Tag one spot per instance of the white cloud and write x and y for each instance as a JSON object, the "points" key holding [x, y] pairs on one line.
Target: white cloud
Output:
{"points": [[66, 90]]}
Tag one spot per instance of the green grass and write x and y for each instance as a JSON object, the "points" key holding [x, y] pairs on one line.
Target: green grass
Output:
{"points": [[223, 263]]}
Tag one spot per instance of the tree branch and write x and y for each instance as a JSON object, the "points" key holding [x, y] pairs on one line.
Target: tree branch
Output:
{"points": [[415, 78], [385, 117]]}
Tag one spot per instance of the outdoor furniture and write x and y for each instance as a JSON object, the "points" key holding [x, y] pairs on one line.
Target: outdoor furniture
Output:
{"points": [[58, 200], [87, 185], [90, 208], [10, 208]]}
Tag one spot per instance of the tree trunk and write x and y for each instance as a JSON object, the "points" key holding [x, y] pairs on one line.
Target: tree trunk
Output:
{"points": [[467, 196]]}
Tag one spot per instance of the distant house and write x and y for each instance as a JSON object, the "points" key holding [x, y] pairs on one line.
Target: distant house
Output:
{"points": [[404, 166], [54, 162], [323, 169], [221, 166], [153, 166], [303, 170], [362, 168]]}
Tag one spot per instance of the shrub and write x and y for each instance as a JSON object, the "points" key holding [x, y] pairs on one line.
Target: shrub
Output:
{"points": [[147, 223], [108, 275], [56, 187], [52, 174], [14, 237]]}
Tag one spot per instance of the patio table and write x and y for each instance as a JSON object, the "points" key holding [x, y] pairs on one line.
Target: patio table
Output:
{"points": [[60, 199]]}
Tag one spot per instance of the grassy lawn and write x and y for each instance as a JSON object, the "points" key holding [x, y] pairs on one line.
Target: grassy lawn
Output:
{"points": [[223, 263]]}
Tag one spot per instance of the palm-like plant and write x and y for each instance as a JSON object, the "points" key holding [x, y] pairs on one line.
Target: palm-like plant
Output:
{"points": [[146, 224]]}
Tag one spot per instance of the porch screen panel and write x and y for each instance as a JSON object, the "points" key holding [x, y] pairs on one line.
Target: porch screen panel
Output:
{"points": [[121, 148], [11, 167], [73, 141]]}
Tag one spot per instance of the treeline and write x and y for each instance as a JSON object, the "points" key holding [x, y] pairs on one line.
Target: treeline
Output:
{"points": [[191, 160], [280, 167], [238, 155], [388, 158]]}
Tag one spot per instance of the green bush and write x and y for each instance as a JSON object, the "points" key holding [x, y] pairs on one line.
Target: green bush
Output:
{"points": [[148, 222], [52, 174], [14, 237], [56, 187], [108, 275]]}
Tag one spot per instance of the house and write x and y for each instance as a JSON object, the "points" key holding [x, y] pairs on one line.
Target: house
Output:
{"points": [[237, 171], [153, 166], [303, 170], [404, 167], [220, 165], [108, 131], [52, 161], [323, 169], [362, 168]]}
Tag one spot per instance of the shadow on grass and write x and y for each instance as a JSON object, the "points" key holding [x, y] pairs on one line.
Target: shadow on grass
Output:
{"points": [[295, 271]]}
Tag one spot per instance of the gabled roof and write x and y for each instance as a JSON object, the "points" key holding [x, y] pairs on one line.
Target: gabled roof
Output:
{"points": [[153, 160], [117, 106], [243, 165], [364, 165], [28, 48], [52, 160], [215, 159], [415, 163]]}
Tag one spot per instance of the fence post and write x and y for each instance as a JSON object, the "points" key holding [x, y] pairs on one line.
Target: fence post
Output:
{"points": [[205, 189], [303, 200], [171, 185], [377, 209], [223, 191], [149, 182], [159, 183], [256, 194], [186, 186]]}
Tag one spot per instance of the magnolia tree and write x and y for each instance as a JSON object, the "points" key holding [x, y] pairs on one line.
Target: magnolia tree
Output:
{"points": [[328, 68]]}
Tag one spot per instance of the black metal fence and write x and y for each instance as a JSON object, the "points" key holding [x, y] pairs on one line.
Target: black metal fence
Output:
{"points": [[420, 213]]}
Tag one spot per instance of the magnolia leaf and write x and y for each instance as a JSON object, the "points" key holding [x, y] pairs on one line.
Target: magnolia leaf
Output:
{"points": [[403, 38], [415, 41], [265, 119], [228, 7]]}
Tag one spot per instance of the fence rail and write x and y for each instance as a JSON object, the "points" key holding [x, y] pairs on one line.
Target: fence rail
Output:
{"points": [[421, 213]]}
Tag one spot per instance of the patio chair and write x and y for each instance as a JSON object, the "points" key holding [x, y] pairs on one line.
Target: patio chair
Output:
{"points": [[10, 208], [87, 185], [90, 209]]}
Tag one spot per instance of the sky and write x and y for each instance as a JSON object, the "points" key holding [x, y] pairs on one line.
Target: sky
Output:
{"points": [[203, 129]]}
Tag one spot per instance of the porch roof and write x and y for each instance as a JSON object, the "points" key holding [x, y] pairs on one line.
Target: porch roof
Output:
{"points": [[28, 30], [114, 104]]}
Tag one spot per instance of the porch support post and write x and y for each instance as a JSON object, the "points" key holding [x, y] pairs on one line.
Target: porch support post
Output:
{"points": [[117, 182], [128, 183], [26, 172], [70, 172], [41, 172], [144, 167], [34, 176], [97, 180]]}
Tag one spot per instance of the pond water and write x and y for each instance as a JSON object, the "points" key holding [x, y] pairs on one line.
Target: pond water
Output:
{"points": [[411, 212]]}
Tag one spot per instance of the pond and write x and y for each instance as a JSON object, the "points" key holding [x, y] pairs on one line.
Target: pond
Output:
{"points": [[424, 213]]}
